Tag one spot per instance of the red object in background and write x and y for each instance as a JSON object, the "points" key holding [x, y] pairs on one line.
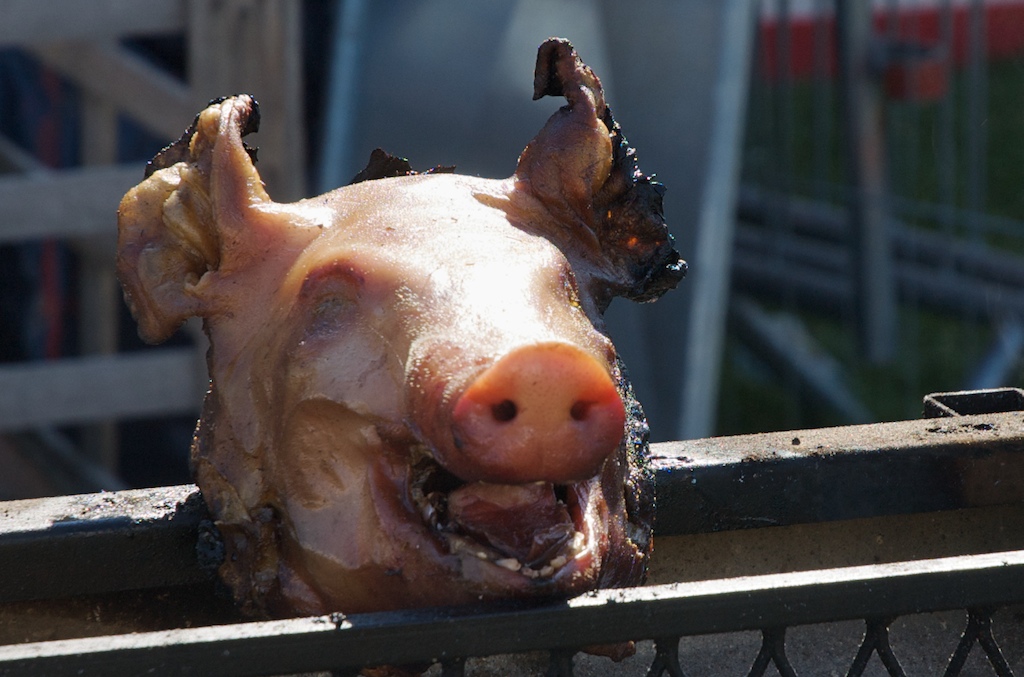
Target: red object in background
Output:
{"points": [[920, 79], [1004, 38], [48, 139]]}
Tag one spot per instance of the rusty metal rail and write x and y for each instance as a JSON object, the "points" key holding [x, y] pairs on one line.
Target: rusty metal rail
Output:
{"points": [[159, 540]]}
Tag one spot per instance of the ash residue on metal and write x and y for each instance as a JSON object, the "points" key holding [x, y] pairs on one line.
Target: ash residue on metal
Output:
{"points": [[639, 488], [209, 547]]}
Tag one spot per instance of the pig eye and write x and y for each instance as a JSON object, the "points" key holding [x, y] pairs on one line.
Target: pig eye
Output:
{"points": [[328, 296], [328, 315]]}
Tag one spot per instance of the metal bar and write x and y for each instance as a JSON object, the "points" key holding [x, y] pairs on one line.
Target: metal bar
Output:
{"points": [[603, 617], [1000, 361], [782, 97], [818, 220], [831, 291], [977, 105], [784, 343], [982, 618], [147, 538], [99, 296], [978, 631], [909, 209], [14, 158], [98, 543], [56, 449], [968, 278], [959, 293], [708, 311], [819, 289], [967, 402], [861, 110], [822, 111], [666, 659], [991, 224], [849, 472], [946, 146], [773, 650]]}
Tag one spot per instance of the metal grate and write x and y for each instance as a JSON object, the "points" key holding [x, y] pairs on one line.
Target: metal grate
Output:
{"points": [[143, 544]]}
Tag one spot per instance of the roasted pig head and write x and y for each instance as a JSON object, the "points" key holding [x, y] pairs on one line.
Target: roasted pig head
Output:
{"points": [[412, 400]]}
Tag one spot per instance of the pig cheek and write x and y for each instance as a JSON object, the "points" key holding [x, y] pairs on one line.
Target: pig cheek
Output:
{"points": [[322, 474], [351, 534], [624, 564], [337, 541]]}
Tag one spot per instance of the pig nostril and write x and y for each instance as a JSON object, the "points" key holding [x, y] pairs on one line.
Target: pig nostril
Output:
{"points": [[579, 410], [504, 411]]}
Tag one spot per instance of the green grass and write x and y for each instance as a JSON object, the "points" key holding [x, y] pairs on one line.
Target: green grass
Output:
{"points": [[1005, 127], [936, 352]]}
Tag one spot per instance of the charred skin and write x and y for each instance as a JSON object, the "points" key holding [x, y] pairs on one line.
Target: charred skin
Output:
{"points": [[374, 349]]}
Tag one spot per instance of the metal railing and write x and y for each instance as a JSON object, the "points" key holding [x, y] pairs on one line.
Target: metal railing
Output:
{"points": [[158, 543]]}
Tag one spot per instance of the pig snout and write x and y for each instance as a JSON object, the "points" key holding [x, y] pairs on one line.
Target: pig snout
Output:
{"points": [[545, 412]]}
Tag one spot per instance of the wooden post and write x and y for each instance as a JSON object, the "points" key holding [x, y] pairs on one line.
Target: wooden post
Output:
{"points": [[255, 47], [97, 282], [233, 46]]}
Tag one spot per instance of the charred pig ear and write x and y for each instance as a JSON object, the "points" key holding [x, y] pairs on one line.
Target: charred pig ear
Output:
{"points": [[179, 151], [197, 194], [583, 170]]}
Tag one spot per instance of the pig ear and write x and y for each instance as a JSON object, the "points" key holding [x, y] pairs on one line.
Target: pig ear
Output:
{"points": [[583, 170], [197, 195]]}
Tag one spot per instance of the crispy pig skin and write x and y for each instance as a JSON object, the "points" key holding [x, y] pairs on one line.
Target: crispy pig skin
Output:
{"points": [[345, 328]]}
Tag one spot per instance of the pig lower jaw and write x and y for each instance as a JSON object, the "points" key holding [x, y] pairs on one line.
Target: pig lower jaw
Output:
{"points": [[429, 490], [573, 551]]}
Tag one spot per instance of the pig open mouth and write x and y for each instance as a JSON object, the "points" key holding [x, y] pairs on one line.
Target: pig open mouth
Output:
{"points": [[412, 398], [532, 529]]}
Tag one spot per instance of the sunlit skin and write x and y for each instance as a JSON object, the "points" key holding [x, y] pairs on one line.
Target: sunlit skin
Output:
{"points": [[412, 398]]}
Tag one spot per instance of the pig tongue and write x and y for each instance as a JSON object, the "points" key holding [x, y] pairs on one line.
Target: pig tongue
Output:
{"points": [[524, 521]]}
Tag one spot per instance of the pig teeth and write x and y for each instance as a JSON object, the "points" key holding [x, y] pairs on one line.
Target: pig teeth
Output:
{"points": [[510, 563], [576, 546], [544, 572]]}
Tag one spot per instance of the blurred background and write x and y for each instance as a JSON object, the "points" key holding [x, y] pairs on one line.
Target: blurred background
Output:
{"points": [[846, 180]]}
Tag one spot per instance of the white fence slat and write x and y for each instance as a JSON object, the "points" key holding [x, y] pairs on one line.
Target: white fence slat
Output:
{"points": [[100, 387], [69, 203], [28, 21]]}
